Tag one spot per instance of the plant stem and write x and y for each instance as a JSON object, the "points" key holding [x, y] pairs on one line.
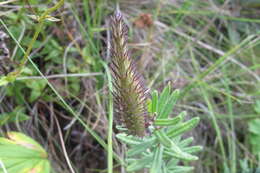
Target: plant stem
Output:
{"points": [[110, 122]]}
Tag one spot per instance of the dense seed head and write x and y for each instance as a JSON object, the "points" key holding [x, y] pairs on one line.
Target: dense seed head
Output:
{"points": [[129, 91]]}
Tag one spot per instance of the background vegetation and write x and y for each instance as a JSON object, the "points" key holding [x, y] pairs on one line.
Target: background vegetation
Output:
{"points": [[209, 49]]}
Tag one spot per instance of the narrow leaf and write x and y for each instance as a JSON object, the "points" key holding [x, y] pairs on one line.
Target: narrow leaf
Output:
{"points": [[169, 122], [163, 138], [186, 142], [128, 139], [193, 149], [184, 127], [154, 102], [181, 169], [157, 160], [140, 147], [180, 155], [168, 106], [175, 151], [139, 164], [163, 99]]}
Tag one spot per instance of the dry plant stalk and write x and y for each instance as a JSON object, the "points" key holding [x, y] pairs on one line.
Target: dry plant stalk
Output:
{"points": [[129, 91]]}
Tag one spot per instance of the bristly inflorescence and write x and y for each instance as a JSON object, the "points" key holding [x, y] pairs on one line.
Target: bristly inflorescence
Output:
{"points": [[129, 91]]}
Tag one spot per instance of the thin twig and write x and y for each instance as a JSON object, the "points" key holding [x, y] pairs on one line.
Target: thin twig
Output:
{"points": [[63, 146]]}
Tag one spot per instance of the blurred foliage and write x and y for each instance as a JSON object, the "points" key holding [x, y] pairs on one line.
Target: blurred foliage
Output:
{"points": [[17, 115]]}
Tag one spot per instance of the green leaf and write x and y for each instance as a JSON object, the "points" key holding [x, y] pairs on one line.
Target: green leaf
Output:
{"points": [[139, 163], [181, 169], [129, 139], [178, 154], [21, 154], [176, 151], [169, 122], [163, 100], [193, 149], [164, 168], [3, 81], [183, 127], [16, 89], [137, 149], [168, 105], [254, 141], [22, 167], [163, 138], [16, 115], [157, 160], [254, 126], [254, 137], [186, 142], [154, 102], [37, 87], [257, 106]]}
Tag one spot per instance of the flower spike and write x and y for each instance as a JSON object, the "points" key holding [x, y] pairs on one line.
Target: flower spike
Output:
{"points": [[129, 90]]}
